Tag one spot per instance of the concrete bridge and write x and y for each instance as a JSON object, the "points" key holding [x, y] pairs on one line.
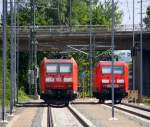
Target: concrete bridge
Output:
{"points": [[61, 37], [58, 37]]}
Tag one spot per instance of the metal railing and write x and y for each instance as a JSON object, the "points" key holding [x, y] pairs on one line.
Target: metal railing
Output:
{"points": [[81, 28]]}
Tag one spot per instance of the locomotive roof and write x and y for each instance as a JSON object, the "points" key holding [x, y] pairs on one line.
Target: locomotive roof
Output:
{"points": [[59, 60], [110, 62]]}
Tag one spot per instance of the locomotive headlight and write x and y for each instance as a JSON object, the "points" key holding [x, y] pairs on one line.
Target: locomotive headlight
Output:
{"points": [[49, 79], [67, 79], [105, 81], [120, 80]]}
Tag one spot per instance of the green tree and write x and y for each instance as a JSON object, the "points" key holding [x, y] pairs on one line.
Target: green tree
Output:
{"points": [[55, 12], [147, 18], [102, 14], [80, 14]]}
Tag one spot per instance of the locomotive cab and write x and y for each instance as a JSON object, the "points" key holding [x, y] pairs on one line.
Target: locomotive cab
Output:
{"points": [[59, 78], [103, 81]]}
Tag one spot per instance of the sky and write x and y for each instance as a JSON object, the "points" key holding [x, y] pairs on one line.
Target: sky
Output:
{"points": [[126, 6]]}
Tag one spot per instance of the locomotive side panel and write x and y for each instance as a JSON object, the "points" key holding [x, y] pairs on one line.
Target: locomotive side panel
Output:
{"points": [[75, 76], [42, 76], [126, 77], [96, 81], [94, 87]]}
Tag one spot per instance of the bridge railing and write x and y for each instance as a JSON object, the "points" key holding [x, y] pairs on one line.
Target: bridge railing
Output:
{"points": [[80, 28], [63, 28]]}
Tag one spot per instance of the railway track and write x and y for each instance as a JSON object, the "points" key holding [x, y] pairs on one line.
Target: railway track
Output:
{"points": [[66, 117], [135, 110], [136, 106], [49, 117]]}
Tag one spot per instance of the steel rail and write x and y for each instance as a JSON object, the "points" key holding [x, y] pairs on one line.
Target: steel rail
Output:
{"points": [[78, 116], [83, 121], [131, 112], [49, 117], [137, 107]]}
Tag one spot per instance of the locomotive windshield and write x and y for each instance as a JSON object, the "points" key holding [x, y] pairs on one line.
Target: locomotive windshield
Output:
{"points": [[108, 69], [51, 68], [65, 68]]}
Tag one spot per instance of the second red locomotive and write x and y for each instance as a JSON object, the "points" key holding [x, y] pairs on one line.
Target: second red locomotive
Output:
{"points": [[102, 85], [59, 78]]}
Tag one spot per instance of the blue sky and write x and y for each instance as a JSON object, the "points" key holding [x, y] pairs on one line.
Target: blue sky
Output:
{"points": [[126, 7]]}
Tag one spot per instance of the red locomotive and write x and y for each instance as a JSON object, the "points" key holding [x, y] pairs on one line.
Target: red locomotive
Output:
{"points": [[59, 78], [102, 86]]}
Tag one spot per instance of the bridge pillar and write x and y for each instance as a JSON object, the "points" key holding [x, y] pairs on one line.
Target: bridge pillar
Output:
{"points": [[146, 72]]}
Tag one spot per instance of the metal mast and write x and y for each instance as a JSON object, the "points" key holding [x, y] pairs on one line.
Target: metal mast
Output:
{"points": [[4, 58], [15, 58], [113, 36], [141, 54], [133, 58], [12, 58], [13, 54], [91, 53], [34, 45], [17, 35], [70, 12]]}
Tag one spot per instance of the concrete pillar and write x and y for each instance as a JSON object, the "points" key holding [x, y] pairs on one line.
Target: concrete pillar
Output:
{"points": [[137, 71], [146, 72]]}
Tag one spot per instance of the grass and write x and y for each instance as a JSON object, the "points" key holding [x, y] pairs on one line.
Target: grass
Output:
{"points": [[21, 93], [22, 96], [146, 100]]}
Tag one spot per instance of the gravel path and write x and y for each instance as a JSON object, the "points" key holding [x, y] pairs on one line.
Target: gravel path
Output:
{"points": [[100, 116], [24, 119], [28, 114]]}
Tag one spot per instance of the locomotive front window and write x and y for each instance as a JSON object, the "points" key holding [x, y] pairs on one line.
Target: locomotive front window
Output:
{"points": [[51, 68], [118, 70], [65, 68], [108, 69]]}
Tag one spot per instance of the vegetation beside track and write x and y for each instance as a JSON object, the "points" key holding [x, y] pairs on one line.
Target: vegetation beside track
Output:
{"points": [[146, 100], [8, 90], [22, 95]]}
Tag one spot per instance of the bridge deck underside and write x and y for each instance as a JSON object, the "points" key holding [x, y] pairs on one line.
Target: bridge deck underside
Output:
{"points": [[59, 40]]}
